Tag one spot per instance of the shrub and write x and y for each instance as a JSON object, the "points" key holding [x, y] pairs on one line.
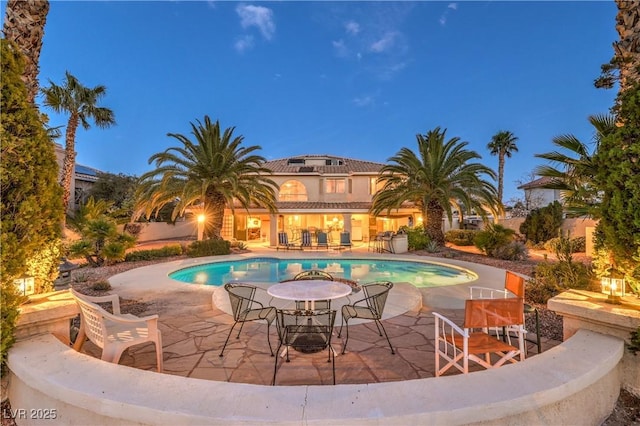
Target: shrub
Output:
{"points": [[432, 247], [514, 250], [240, 245], [578, 244], [166, 251], [460, 237], [133, 228], [417, 239], [492, 237], [634, 345], [542, 224], [551, 279], [101, 286], [209, 248], [31, 208]]}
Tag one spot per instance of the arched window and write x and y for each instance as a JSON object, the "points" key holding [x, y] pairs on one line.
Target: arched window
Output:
{"points": [[293, 190]]}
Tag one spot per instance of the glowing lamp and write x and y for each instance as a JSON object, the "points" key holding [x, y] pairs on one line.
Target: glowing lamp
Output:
{"points": [[25, 285], [613, 286]]}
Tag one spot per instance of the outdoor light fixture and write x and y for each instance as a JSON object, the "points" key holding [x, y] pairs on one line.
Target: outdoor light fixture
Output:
{"points": [[25, 285], [613, 286], [201, 219]]}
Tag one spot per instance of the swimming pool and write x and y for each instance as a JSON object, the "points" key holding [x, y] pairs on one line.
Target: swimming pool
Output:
{"points": [[273, 270]]}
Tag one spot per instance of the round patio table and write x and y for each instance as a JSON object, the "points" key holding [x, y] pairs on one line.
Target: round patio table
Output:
{"points": [[309, 291]]}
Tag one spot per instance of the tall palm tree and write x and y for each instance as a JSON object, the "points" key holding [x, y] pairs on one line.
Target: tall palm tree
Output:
{"points": [[576, 167], [81, 103], [502, 144], [213, 169], [24, 25], [628, 48], [439, 177]]}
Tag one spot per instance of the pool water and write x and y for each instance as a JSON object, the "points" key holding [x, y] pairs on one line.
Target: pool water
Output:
{"points": [[273, 270]]}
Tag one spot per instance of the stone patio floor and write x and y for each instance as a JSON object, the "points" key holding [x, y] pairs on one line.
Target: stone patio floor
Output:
{"points": [[193, 332]]}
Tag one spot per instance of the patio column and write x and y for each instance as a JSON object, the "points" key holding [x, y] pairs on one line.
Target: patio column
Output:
{"points": [[346, 218], [273, 229]]}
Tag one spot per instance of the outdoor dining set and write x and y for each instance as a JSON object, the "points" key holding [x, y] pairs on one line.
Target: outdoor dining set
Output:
{"points": [[491, 335]]}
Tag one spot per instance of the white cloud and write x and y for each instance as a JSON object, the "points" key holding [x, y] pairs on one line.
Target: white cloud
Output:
{"points": [[385, 43], [363, 101], [340, 48], [257, 16], [243, 43], [352, 27], [443, 17]]}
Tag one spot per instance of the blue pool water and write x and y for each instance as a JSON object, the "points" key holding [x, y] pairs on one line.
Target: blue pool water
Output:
{"points": [[273, 270]]}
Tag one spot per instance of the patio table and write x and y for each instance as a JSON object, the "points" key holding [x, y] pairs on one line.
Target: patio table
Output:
{"points": [[309, 291]]}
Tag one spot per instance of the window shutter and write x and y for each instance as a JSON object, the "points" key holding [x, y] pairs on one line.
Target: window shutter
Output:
{"points": [[350, 185], [321, 186]]}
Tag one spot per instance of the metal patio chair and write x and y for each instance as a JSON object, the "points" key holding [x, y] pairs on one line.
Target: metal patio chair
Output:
{"points": [[245, 308], [306, 332], [370, 307]]}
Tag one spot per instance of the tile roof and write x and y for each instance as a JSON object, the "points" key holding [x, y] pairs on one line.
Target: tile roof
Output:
{"points": [[348, 166], [537, 183]]}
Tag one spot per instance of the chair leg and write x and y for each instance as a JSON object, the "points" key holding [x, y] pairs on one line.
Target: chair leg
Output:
{"points": [[385, 335], [344, 347], [269, 339], [227, 341], [275, 367]]}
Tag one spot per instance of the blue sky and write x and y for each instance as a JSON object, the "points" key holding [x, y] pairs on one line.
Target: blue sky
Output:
{"points": [[353, 79]]}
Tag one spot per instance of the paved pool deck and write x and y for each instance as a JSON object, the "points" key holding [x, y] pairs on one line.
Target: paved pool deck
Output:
{"points": [[195, 321]]}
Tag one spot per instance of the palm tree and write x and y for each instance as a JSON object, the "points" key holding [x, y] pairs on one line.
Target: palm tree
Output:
{"points": [[502, 144], [440, 177], [81, 103], [574, 177], [24, 25], [211, 172]]}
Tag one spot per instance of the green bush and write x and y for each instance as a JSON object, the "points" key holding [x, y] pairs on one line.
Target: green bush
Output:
{"points": [[460, 237], [31, 208], [552, 278], [166, 251], [493, 237], [417, 239], [209, 248], [514, 250], [634, 346], [578, 244], [101, 286], [542, 224]]}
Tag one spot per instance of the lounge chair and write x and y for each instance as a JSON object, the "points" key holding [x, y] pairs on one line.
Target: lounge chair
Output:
{"points": [[305, 239], [345, 240], [283, 241], [323, 241]]}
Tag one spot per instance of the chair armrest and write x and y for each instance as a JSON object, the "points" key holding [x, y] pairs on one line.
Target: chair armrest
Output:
{"points": [[451, 324], [114, 299], [130, 318], [478, 292]]}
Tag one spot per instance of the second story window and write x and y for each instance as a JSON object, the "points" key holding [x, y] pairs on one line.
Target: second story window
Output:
{"points": [[293, 190], [374, 185], [334, 186]]}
